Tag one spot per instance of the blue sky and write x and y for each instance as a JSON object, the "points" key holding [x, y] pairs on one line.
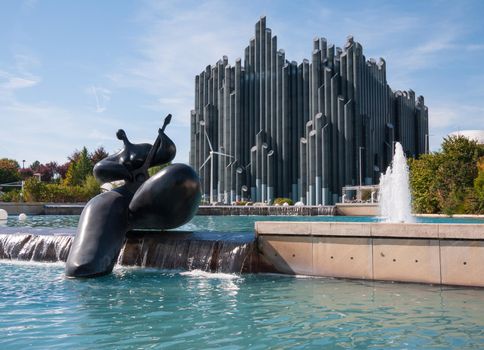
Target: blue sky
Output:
{"points": [[73, 72]]}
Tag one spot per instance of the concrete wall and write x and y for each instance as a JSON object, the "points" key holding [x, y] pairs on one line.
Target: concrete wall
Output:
{"points": [[357, 209], [42, 208], [426, 253]]}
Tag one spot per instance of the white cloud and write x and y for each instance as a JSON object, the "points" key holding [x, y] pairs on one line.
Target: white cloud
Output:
{"points": [[48, 132], [101, 97], [175, 48], [448, 117], [14, 83], [474, 47]]}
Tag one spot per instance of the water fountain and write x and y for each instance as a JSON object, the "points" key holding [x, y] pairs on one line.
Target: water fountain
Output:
{"points": [[394, 196]]}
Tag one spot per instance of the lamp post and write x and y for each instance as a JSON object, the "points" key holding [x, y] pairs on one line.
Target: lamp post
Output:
{"points": [[238, 177], [23, 164], [427, 141], [359, 160], [244, 189]]}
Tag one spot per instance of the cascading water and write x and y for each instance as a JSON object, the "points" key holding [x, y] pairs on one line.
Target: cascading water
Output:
{"points": [[180, 251], [34, 247], [394, 195]]}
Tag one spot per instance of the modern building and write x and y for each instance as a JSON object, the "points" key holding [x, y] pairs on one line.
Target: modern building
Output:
{"points": [[268, 127]]}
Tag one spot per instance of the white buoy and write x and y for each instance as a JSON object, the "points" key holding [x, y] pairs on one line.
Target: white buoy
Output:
{"points": [[22, 217], [3, 214]]}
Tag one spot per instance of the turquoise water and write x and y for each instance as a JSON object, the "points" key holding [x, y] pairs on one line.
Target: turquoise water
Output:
{"points": [[217, 223], [134, 308]]}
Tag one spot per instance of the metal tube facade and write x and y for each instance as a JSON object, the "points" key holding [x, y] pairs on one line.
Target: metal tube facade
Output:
{"points": [[290, 130]]}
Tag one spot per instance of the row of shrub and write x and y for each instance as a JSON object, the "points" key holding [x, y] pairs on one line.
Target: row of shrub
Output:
{"points": [[38, 191]]}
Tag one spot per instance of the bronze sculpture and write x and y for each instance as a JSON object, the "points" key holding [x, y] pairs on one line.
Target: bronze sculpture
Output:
{"points": [[166, 200]]}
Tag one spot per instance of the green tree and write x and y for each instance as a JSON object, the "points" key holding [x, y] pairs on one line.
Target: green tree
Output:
{"points": [[98, 155], [78, 170], [35, 166], [9, 170], [423, 183], [479, 180], [153, 170], [445, 181]]}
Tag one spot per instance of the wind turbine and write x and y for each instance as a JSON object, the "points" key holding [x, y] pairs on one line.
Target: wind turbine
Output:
{"points": [[210, 157]]}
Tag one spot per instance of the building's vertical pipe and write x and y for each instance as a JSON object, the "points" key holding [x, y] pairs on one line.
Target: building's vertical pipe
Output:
{"points": [[253, 165], [279, 173], [303, 166], [267, 85], [193, 149], [348, 141], [264, 151], [308, 128], [227, 129], [220, 161], [330, 56], [270, 176], [325, 150], [315, 81], [257, 94], [334, 136], [318, 125], [305, 92], [312, 167], [341, 144], [286, 164], [323, 46], [273, 138], [233, 147], [262, 74], [238, 133], [251, 114], [258, 165], [293, 132]]}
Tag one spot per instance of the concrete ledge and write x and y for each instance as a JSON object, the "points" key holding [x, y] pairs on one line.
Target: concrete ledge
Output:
{"points": [[363, 229], [461, 231], [281, 227], [357, 209], [424, 253], [42, 208]]}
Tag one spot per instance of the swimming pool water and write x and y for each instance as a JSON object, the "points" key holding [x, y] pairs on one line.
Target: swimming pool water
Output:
{"points": [[135, 308], [218, 223]]}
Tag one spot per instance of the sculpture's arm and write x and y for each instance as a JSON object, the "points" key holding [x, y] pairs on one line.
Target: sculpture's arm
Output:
{"points": [[107, 171]]}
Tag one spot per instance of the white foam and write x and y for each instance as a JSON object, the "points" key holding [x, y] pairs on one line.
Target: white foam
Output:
{"points": [[32, 263], [209, 275]]}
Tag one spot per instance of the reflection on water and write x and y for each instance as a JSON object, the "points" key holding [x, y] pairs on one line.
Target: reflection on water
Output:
{"points": [[135, 308], [215, 223]]}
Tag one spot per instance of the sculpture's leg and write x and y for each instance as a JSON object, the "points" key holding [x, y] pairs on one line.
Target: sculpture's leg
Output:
{"points": [[166, 200], [100, 235]]}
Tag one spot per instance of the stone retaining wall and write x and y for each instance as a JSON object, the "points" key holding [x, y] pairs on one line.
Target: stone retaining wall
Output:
{"points": [[450, 254], [42, 208]]}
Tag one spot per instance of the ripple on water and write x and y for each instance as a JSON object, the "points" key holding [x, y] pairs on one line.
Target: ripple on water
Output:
{"points": [[136, 308], [216, 223]]}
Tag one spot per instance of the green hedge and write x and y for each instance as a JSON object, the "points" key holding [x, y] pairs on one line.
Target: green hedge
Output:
{"points": [[281, 201], [37, 191]]}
